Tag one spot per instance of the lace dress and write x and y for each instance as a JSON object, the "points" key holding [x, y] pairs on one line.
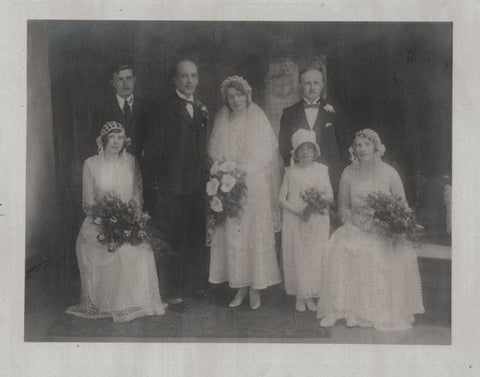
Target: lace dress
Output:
{"points": [[304, 243], [243, 250], [121, 284], [367, 277]]}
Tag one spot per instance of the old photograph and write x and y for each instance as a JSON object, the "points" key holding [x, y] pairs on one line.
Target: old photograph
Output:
{"points": [[239, 182]]}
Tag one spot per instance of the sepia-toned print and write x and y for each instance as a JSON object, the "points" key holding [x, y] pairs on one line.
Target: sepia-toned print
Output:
{"points": [[194, 181]]}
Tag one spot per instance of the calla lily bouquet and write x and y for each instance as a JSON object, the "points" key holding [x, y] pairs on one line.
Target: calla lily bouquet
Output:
{"points": [[226, 191], [394, 216], [119, 222]]}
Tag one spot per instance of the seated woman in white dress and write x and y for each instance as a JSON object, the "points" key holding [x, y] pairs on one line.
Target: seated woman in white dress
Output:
{"points": [[122, 284], [368, 279], [243, 250]]}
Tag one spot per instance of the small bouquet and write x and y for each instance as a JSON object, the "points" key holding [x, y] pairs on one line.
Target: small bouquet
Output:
{"points": [[120, 222], [394, 216], [226, 190], [315, 202]]}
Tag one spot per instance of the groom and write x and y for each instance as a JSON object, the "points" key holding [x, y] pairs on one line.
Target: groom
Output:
{"points": [[313, 113], [124, 106], [175, 159]]}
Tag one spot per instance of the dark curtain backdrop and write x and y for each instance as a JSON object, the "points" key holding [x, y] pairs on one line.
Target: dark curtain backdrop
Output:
{"points": [[392, 77]]}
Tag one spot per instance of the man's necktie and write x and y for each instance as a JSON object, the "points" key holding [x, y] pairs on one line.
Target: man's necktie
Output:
{"points": [[127, 112]]}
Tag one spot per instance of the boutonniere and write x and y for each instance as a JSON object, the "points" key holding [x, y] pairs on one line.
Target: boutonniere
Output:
{"points": [[329, 108], [203, 110]]}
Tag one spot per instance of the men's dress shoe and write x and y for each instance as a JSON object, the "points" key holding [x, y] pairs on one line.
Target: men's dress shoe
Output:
{"points": [[179, 308], [203, 293], [177, 305]]}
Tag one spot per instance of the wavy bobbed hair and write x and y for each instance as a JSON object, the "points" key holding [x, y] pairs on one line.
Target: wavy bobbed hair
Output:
{"points": [[370, 135], [236, 82]]}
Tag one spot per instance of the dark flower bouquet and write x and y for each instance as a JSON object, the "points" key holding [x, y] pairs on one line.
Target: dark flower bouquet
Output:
{"points": [[394, 216], [120, 222], [226, 190], [315, 202]]}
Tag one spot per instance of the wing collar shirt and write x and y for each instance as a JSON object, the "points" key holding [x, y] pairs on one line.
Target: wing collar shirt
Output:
{"points": [[311, 112], [188, 105]]}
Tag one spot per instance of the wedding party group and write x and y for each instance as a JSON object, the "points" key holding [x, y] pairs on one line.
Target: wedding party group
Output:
{"points": [[218, 199]]}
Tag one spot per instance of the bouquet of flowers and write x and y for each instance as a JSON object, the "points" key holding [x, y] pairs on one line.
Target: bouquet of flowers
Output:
{"points": [[315, 202], [394, 216], [226, 191], [120, 222]]}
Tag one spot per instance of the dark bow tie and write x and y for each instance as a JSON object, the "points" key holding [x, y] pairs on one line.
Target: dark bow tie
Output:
{"points": [[187, 101], [311, 105]]}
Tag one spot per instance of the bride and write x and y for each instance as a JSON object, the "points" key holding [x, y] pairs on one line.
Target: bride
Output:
{"points": [[122, 284], [368, 279], [243, 250]]}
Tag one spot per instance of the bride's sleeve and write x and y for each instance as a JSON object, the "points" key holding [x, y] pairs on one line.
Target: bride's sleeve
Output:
{"points": [[88, 196], [215, 141]]}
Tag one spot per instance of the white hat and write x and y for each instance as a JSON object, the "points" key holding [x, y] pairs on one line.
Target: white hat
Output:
{"points": [[304, 136]]}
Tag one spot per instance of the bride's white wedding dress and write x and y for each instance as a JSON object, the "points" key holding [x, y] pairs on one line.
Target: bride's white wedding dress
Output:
{"points": [[122, 284], [243, 250], [367, 278]]}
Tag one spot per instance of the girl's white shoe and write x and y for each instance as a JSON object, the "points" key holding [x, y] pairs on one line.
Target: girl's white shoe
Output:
{"points": [[300, 305], [311, 305]]}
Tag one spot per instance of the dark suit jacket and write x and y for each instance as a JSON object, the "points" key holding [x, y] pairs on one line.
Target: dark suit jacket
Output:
{"points": [[294, 118], [175, 152], [136, 129]]}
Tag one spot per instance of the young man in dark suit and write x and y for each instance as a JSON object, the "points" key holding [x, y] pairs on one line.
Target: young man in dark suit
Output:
{"points": [[123, 106], [175, 160], [313, 113]]}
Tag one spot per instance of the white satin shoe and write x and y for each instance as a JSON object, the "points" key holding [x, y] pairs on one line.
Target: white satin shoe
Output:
{"points": [[238, 299]]}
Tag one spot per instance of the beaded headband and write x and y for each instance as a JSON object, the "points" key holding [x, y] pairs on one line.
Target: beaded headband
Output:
{"points": [[110, 126]]}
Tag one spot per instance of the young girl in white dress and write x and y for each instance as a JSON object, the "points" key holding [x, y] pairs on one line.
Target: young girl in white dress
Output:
{"points": [[122, 284], [304, 240], [369, 279]]}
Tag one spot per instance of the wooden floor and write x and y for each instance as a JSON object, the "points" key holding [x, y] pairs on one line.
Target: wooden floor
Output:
{"points": [[210, 320]]}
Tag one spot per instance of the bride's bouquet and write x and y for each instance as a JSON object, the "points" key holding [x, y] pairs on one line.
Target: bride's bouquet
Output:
{"points": [[394, 216], [315, 202], [119, 222], [226, 190]]}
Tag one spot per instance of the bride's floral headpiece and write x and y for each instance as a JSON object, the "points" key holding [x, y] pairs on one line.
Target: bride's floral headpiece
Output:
{"points": [[236, 82], [371, 135]]}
